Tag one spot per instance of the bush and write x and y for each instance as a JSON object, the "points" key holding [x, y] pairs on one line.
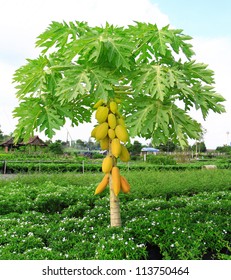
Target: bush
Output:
{"points": [[50, 167], [97, 155], [167, 215], [183, 227], [135, 157], [161, 160], [56, 147]]}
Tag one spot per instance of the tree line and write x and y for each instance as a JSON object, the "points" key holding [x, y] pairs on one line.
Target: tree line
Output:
{"points": [[134, 147]]}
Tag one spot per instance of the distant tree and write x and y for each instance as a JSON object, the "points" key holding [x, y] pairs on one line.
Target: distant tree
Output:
{"points": [[1, 135], [48, 142], [199, 147], [168, 147], [80, 144], [92, 145], [135, 148], [202, 146], [56, 147], [224, 149]]}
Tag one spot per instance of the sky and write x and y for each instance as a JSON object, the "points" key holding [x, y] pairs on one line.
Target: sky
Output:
{"points": [[208, 22]]}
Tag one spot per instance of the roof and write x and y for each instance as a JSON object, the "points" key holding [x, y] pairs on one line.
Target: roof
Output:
{"points": [[35, 140], [149, 149], [8, 142]]}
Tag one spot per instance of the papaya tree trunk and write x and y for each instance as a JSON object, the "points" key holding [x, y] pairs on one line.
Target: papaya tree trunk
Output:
{"points": [[114, 208], [115, 217]]}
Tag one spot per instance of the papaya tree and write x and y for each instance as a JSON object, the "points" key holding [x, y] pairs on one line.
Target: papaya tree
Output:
{"points": [[141, 80]]}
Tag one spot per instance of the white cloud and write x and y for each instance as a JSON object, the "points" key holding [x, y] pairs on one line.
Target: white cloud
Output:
{"points": [[22, 21]]}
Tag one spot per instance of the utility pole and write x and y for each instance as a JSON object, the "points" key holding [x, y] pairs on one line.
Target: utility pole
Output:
{"points": [[227, 138], [69, 142]]}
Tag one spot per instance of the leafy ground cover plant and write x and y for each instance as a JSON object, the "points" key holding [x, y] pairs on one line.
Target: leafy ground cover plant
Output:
{"points": [[168, 215]]}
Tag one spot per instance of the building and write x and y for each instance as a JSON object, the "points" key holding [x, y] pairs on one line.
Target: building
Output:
{"points": [[9, 144], [33, 141], [148, 151]]}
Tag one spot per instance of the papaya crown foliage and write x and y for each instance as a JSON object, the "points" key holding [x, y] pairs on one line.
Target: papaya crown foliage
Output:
{"points": [[151, 70]]}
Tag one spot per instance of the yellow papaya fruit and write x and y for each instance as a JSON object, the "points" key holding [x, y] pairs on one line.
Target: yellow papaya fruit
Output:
{"points": [[107, 164], [124, 185], [121, 133], [103, 184], [93, 132], [104, 143], [111, 121], [115, 147], [111, 133], [124, 155], [98, 103], [121, 122], [113, 107], [101, 131], [115, 180], [101, 114]]}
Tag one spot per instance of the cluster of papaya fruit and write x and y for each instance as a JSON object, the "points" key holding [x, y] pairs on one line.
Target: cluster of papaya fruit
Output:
{"points": [[112, 135]]}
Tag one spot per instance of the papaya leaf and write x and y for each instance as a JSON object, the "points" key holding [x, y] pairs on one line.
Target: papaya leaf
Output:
{"points": [[75, 82], [150, 69]]}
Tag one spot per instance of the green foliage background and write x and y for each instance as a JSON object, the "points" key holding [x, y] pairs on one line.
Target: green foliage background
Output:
{"points": [[167, 215]]}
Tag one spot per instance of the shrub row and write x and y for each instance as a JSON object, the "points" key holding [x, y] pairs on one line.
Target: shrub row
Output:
{"points": [[24, 167], [51, 167]]}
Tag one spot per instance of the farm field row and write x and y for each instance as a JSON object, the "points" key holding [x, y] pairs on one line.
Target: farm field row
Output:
{"points": [[57, 167], [167, 215]]}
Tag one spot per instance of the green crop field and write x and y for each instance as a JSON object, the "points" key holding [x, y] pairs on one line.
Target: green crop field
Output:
{"points": [[167, 215]]}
